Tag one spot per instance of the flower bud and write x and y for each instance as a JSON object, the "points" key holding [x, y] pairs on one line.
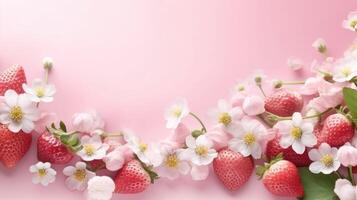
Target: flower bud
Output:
{"points": [[47, 63]]}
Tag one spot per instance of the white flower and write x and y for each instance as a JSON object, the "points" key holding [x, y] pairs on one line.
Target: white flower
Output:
{"points": [[295, 63], [88, 122], [200, 151], [345, 70], [93, 148], [320, 45], [172, 164], [296, 133], [227, 116], [324, 159], [43, 173], [78, 176], [100, 188], [248, 138], [176, 113], [351, 22], [147, 153], [18, 112], [40, 91]]}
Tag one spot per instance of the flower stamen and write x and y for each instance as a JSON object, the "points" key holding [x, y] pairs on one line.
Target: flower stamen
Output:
{"points": [[225, 119], [16, 113], [80, 175], [327, 160], [201, 150], [296, 133], [172, 161], [249, 139]]}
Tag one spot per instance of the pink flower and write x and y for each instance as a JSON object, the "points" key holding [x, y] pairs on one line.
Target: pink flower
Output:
{"points": [[87, 122], [330, 96], [253, 105], [345, 190], [312, 85], [295, 63], [347, 155], [199, 173], [178, 137], [219, 138], [115, 159], [45, 120]]}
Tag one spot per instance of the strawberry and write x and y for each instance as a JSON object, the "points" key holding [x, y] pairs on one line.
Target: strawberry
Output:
{"points": [[134, 177], [12, 78], [95, 165], [336, 130], [50, 149], [284, 103], [56, 145], [318, 133], [273, 149], [233, 169], [281, 178], [13, 146]]}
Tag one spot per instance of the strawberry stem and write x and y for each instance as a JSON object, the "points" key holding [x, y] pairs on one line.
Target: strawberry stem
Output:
{"points": [[200, 121], [350, 175]]}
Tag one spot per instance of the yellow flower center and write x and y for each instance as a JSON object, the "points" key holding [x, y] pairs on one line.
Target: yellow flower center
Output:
{"points": [[80, 175], [225, 118], [296, 132], [171, 161], [40, 91], [176, 111], [240, 87], [143, 147], [353, 23], [346, 71], [42, 172], [201, 150], [249, 139], [327, 160], [16, 114], [89, 149]]}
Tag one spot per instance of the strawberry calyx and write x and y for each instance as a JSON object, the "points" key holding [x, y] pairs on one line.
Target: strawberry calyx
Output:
{"points": [[149, 169], [261, 169], [68, 139]]}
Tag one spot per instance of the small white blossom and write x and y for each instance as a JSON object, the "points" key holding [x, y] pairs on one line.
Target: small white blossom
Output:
{"points": [[39, 91], [43, 173], [297, 133], [176, 113], [93, 148], [345, 70], [18, 112], [320, 45], [351, 22], [78, 176], [200, 151], [227, 116], [324, 159]]}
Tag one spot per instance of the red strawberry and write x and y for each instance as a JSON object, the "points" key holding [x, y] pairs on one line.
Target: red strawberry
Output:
{"points": [[281, 178], [50, 149], [13, 146], [95, 165], [318, 133], [273, 149], [134, 177], [233, 169], [12, 78], [284, 103], [336, 130]]}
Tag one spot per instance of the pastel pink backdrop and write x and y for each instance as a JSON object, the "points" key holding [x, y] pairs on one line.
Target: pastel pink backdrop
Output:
{"points": [[130, 59]]}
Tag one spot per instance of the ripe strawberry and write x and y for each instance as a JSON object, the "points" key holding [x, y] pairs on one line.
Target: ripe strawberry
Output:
{"points": [[12, 78], [318, 133], [95, 165], [273, 149], [13, 146], [134, 177], [284, 103], [233, 169], [336, 130], [50, 149], [281, 178]]}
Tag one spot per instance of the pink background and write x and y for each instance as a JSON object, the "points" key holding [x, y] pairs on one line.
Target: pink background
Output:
{"points": [[130, 59]]}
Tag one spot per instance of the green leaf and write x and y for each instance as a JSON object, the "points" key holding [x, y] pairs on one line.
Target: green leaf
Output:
{"points": [[350, 96], [63, 126], [317, 186]]}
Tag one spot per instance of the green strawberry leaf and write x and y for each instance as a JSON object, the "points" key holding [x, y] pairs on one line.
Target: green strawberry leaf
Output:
{"points": [[350, 97], [317, 186], [63, 126]]}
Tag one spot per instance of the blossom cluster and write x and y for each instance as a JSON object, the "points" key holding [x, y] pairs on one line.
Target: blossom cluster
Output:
{"points": [[243, 123]]}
